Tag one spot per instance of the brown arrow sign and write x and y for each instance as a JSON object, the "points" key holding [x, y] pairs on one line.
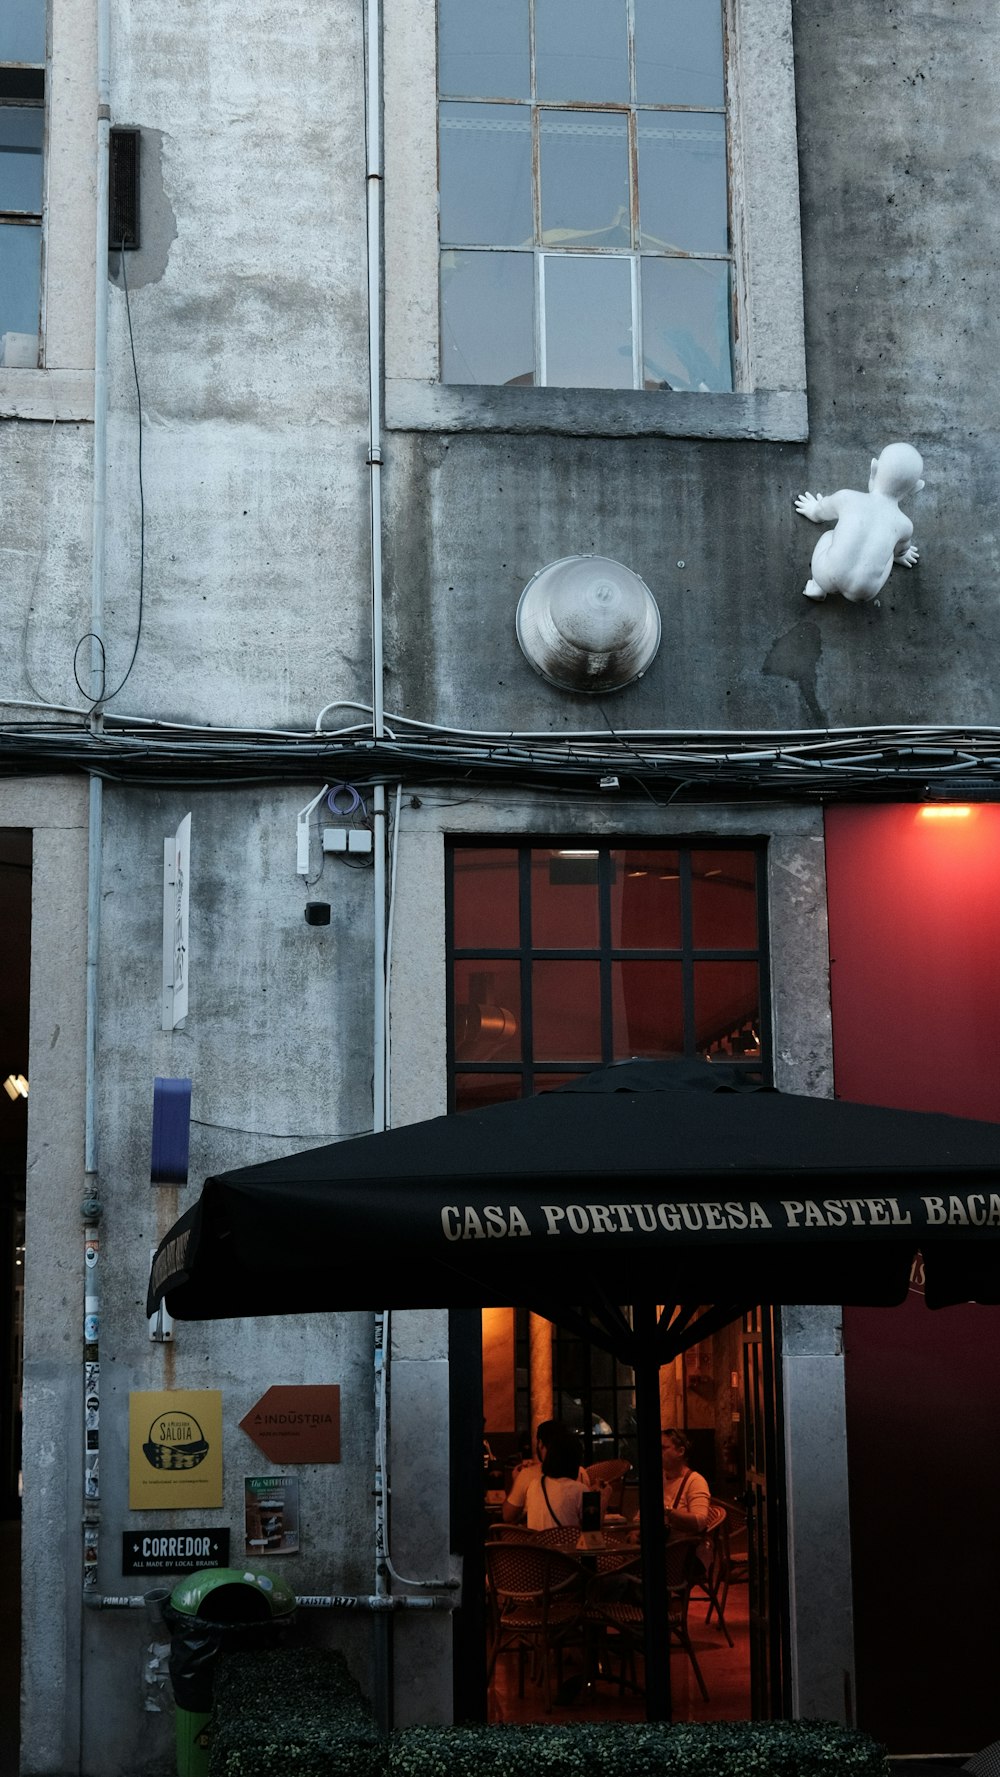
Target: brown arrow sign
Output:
{"points": [[297, 1424]]}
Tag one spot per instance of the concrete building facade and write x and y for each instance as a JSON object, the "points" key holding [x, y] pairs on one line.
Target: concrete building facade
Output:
{"points": [[215, 426]]}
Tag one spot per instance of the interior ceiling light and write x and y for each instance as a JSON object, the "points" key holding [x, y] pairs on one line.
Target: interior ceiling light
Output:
{"points": [[15, 1086], [587, 623], [945, 811]]}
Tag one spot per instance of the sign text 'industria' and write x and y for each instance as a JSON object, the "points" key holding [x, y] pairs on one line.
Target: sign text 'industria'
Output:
{"points": [[297, 1424]]}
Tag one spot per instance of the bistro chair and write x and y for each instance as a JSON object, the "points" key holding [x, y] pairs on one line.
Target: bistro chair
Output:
{"points": [[625, 1620], [733, 1565], [500, 1532], [611, 1475], [712, 1561], [536, 1608]]}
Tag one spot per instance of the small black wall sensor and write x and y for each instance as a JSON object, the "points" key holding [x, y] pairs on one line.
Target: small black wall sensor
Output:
{"points": [[317, 913], [123, 190]]}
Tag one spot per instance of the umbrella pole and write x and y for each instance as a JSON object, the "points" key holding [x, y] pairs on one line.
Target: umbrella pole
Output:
{"points": [[654, 1540]]}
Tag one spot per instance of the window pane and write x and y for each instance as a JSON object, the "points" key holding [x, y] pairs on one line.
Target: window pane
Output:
{"points": [[21, 129], [727, 1008], [22, 31], [474, 1091], [682, 183], [486, 318], [685, 324], [588, 322], [645, 901], [724, 900], [581, 50], [678, 52], [648, 1009], [483, 49], [20, 256], [584, 179], [487, 1011], [485, 900], [564, 900], [486, 175], [566, 1011]]}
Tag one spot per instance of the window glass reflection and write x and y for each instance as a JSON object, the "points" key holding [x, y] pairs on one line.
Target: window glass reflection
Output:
{"points": [[727, 1009], [484, 899], [724, 900], [588, 322], [648, 1009], [685, 314], [645, 900], [486, 175], [682, 182], [22, 31], [20, 262], [581, 50], [487, 333], [483, 49], [566, 1011], [473, 1092], [584, 179], [564, 912], [21, 130], [487, 1010], [678, 52]]}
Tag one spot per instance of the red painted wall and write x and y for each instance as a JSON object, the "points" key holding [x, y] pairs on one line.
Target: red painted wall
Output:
{"points": [[914, 909]]}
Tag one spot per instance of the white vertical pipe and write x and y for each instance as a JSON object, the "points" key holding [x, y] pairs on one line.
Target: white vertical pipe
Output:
{"points": [[373, 164]]}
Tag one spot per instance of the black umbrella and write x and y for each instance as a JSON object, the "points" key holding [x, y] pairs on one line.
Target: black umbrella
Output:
{"points": [[673, 1183]]}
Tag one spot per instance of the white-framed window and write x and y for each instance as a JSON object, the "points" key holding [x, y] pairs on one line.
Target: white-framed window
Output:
{"points": [[591, 217], [584, 212], [22, 139]]}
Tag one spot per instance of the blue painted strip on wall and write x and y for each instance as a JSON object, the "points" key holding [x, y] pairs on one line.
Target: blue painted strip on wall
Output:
{"points": [[171, 1132]]}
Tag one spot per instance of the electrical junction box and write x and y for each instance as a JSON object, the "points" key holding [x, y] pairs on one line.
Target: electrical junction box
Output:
{"points": [[344, 839]]}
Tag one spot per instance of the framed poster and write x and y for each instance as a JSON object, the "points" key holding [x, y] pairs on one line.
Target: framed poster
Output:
{"points": [[174, 1449], [272, 1514]]}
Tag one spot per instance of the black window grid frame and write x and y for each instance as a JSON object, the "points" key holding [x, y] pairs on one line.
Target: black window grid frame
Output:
{"points": [[606, 954]]}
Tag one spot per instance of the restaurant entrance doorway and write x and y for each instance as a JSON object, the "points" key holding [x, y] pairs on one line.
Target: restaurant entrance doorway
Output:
{"points": [[724, 1395]]}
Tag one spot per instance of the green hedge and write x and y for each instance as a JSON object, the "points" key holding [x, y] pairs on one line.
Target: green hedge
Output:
{"points": [[291, 1712], [296, 1712], [637, 1749]]}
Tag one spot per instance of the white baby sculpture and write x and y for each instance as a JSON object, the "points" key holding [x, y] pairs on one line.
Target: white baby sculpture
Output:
{"points": [[870, 532]]}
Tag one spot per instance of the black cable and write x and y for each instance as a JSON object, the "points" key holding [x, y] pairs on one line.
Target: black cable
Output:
{"points": [[91, 635], [142, 499]]}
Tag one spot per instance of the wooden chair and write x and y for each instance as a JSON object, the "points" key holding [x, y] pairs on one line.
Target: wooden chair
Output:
{"points": [[536, 1599]]}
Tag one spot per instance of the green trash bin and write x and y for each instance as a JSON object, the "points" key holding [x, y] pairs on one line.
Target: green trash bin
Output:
{"points": [[216, 1610]]}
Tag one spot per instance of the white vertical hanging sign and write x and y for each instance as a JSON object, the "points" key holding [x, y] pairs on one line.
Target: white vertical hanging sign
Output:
{"points": [[176, 884]]}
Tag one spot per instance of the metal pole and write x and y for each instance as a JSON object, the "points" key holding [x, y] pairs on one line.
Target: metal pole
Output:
{"points": [[656, 1608]]}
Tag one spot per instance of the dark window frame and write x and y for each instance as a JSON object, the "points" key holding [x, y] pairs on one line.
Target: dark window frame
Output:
{"points": [[605, 953]]}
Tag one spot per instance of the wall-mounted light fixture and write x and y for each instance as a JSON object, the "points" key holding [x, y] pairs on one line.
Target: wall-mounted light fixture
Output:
{"points": [[945, 811], [15, 1086]]}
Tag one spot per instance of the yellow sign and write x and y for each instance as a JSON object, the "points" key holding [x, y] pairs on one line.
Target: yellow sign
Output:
{"points": [[174, 1449]]}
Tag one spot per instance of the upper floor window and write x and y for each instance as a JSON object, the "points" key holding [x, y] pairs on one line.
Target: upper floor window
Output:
{"points": [[592, 218], [566, 958], [584, 206], [22, 129]]}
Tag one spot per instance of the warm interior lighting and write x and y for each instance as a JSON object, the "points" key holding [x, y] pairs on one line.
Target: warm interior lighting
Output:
{"points": [[945, 811], [574, 854], [15, 1086]]}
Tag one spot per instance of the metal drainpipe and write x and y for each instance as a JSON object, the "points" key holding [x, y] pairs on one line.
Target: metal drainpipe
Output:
{"points": [[383, 1685]]}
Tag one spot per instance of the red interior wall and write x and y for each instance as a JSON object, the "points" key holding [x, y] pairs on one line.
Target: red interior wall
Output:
{"points": [[914, 906]]}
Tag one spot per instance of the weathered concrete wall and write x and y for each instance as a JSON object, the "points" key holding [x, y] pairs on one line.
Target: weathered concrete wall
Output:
{"points": [[248, 320], [900, 255]]}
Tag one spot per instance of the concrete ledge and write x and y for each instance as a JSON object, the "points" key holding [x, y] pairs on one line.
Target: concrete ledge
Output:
{"points": [[595, 413], [46, 394]]}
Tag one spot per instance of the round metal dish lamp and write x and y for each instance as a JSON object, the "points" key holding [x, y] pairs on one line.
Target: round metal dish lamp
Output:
{"points": [[587, 623]]}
